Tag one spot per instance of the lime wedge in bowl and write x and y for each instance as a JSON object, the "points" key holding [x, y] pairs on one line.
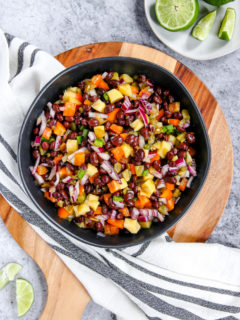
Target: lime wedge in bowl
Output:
{"points": [[218, 3], [176, 15], [228, 24], [203, 27], [24, 296], [8, 273]]}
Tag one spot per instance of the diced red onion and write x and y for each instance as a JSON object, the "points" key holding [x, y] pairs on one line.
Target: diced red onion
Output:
{"points": [[71, 157], [163, 200], [91, 136], [113, 214], [177, 199], [119, 204], [157, 106], [104, 156], [161, 184], [52, 189], [98, 149], [43, 124], [156, 174], [145, 96], [38, 178], [143, 219], [36, 142], [134, 213], [141, 108], [104, 74], [106, 165], [84, 180], [71, 191], [172, 169], [52, 173], [39, 119], [36, 164], [126, 104], [180, 163], [141, 141], [57, 179], [62, 108], [192, 170], [149, 157], [165, 169], [52, 112], [149, 83], [151, 213], [76, 192], [131, 111], [45, 164], [92, 93], [186, 125], [144, 118], [190, 181], [147, 105], [67, 179], [97, 115], [57, 143], [106, 137]]}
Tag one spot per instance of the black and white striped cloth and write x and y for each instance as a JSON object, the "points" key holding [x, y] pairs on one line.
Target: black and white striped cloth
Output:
{"points": [[157, 280]]}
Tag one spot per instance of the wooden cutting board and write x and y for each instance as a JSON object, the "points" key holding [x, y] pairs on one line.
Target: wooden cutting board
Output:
{"points": [[196, 226]]}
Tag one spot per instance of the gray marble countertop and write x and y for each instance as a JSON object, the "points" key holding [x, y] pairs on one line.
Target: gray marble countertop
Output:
{"points": [[59, 25]]}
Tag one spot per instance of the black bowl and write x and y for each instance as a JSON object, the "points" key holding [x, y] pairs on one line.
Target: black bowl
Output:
{"points": [[84, 70]]}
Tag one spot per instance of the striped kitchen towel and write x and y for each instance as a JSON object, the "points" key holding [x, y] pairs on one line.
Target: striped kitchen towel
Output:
{"points": [[157, 280]]}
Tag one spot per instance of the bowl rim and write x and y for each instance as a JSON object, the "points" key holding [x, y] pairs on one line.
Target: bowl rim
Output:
{"points": [[204, 132]]}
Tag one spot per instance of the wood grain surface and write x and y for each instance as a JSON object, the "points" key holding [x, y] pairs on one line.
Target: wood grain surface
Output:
{"points": [[196, 226]]}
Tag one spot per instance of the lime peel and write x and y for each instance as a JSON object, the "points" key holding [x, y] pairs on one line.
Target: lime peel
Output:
{"points": [[24, 296], [204, 25], [228, 25]]}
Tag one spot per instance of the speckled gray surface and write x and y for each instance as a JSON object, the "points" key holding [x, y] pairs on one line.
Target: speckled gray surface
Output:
{"points": [[58, 25]]}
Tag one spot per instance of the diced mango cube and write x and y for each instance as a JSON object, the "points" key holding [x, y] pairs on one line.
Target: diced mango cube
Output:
{"points": [[126, 174], [148, 187], [132, 225], [82, 209], [99, 105], [115, 76], [164, 149], [125, 89], [114, 95], [92, 197], [137, 124], [72, 146], [124, 183], [93, 204], [91, 170], [126, 78], [127, 149], [99, 131]]}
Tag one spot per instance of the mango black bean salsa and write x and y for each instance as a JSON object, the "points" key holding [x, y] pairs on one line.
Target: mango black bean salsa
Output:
{"points": [[114, 153]]}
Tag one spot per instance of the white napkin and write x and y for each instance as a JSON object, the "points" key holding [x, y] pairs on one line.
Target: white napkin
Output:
{"points": [[157, 280]]}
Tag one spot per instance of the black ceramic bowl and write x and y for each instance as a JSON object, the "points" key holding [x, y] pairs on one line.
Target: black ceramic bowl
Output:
{"points": [[84, 70]]}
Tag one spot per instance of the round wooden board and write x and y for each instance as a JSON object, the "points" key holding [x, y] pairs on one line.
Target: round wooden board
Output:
{"points": [[199, 222]]}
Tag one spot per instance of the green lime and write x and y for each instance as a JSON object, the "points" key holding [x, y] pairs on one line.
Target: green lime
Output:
{"points": [[24, 296], [203, 27], [175, 15], [228, 24], [8, 273], [218, 3]]}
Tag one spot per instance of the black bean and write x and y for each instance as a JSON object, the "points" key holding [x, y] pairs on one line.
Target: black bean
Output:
{"points": [[93, 122], [35, 131], [190, 138], [98, 226], [157, 99], [94, 158], [35, 154], [109, 108], [69, 119], [66, 124], [117, 141], [45, 145]]}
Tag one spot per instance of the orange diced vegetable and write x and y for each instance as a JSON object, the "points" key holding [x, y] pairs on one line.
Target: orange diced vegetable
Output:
{"points": [[63, 213], [170, 204], [114, 186], [170, 186], [99, 82], [59, 129], [116, 223], [134, 89], [79, 97], [47, 133], [124, 136], [117, 129], [70, 109], [57, 159], [166, 194], [113, 115], [191, 151], [145, 92], [64, 172], [174, 122], [47, 195], [110, 230], [81, 190], [86, 102], [142, 202], [183, 184], [155, 158], [62, 147], [132, 168], [124, 211], [103, 85], [118, 153], [98, 211], [41, 170], [106, 197], [91, 179], [79, 158], [160, 115]]}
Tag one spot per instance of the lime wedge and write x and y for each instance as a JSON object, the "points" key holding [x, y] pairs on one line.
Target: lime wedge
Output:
{"points": [[218, 3], [8, 273], [24, 296], [203, 27], [175, 15], [228, 24]]}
